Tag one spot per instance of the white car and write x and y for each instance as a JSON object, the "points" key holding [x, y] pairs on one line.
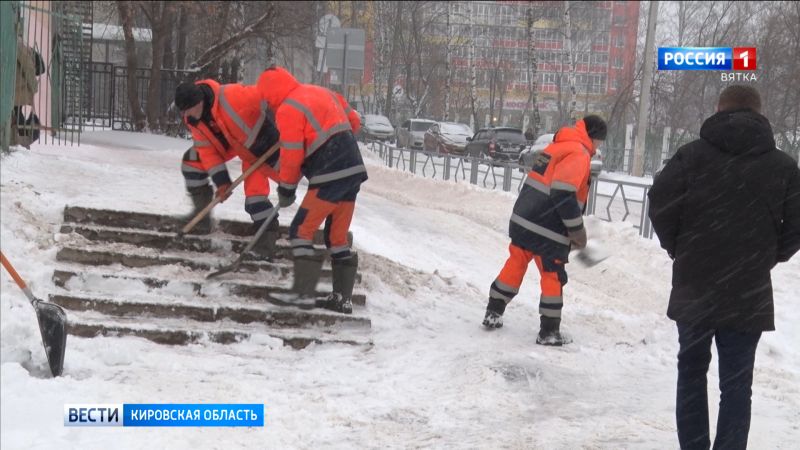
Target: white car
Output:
{"points": [[374, 126], [527, 155], [411, 134]]}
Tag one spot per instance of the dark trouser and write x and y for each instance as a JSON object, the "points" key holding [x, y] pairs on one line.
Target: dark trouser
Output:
{"points": [[737, 354]]}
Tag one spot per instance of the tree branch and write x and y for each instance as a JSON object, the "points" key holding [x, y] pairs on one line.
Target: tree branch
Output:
{"points": [[218, 50]]}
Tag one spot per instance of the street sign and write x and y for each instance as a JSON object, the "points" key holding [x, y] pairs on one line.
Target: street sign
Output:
{"points": [[351, 39]]}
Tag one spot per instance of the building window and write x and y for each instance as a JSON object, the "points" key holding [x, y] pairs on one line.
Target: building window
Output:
{"points": [[600, 58], [620, 41], [618, 63], [602, 39]]}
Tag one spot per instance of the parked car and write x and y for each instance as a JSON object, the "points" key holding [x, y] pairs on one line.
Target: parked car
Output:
{"points": [[447, 137], [411, 134], [374, 126], [526, 156], [500, 144]]}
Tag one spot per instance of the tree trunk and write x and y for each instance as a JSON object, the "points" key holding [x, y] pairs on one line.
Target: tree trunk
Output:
{"points": [[447, 70], [473, 89], [125, 9], [183, 33], [570, 59], [395, 44], [533, 75], [161, 18], [169, 48]]}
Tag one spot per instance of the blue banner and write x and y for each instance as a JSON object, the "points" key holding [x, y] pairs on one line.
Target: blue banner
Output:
{"points": [[163, 415], [193, 415], [695, 58]]}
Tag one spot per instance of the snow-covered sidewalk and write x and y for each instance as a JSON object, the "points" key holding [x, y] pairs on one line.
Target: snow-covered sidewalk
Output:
{"points": [[434, 377]]}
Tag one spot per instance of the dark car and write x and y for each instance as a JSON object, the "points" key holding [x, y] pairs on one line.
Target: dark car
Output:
{"points": [[499, 144]]}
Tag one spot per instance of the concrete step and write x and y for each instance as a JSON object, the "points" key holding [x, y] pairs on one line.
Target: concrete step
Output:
{"points": [[179, 332], [269, 315], [160, 223], [214, 243], [105, 258], [206, 289]]}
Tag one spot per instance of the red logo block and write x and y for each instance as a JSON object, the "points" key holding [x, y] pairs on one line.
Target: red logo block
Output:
{"points": [[744, 58]]}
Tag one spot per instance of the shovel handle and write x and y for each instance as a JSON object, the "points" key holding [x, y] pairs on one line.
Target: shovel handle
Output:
{"points": [[188, 227], [18, 279], [235, 265]]}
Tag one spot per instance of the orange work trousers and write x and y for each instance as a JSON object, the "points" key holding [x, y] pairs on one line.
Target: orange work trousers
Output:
{"points": [[553, 278], [312, 212]]}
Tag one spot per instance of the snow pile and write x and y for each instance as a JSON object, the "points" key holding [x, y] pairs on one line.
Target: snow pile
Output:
{"points": [[434, 378]]}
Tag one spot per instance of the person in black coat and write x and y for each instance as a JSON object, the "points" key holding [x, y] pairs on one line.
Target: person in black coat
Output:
{"points": [[726, 208]]}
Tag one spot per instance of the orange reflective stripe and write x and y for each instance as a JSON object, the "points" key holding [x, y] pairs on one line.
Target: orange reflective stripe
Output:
{"points": [[237, 119], [322, 134], [306, 112]]}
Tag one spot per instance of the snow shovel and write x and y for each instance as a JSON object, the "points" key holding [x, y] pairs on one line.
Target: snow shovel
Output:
{"points": [[235, 265], [188, 227], [591, 255], [52, 323]]}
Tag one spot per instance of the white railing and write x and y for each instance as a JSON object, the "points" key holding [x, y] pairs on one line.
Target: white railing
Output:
{"points": [[616, 195]]}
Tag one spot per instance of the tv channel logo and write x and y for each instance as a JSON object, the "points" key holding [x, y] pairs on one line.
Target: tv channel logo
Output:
{"points": [[164, 415], [707, 58]]}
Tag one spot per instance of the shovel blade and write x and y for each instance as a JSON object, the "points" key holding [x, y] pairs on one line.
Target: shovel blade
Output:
{"points": [[591, 256], [53, 326]]}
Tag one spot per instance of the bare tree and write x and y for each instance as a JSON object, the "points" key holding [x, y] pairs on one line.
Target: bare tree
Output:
{"points": [[160, 14], [570, 60], [447, 61], [473, 88], [532, 63], [125, 9], [399, 8]]}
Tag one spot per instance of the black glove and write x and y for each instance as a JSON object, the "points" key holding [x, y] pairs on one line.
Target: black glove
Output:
{"points": [[286, 196], [578, 238]]}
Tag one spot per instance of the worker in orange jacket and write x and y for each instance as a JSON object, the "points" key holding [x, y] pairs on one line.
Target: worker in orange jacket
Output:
{"points": [[228, 121], [317, 129], [547, 223]]}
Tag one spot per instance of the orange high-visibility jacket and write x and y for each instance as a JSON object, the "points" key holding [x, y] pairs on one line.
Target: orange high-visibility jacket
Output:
{"points": [[309, 118], [551, 202], [238, 115]]}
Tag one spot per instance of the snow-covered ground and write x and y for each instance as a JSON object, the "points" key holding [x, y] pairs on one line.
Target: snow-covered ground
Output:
{"points": [[434, 378]]}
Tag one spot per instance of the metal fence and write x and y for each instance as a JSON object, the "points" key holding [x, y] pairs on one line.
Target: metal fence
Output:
{"points": [[109, 106], [45, 47], [620, 197], [8, 57]]}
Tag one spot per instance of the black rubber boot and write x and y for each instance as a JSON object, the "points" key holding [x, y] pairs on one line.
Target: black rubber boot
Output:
{"points": [[344, 278], [307, 271], [265, 247], [201, 196], [494, 313], [549, 333]]}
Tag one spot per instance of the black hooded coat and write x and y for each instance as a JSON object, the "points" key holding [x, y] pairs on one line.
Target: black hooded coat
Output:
{"points": [[727, 209]]}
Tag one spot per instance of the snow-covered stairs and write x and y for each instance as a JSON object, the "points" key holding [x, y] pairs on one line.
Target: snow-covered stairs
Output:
{"points": [[124, 273]]}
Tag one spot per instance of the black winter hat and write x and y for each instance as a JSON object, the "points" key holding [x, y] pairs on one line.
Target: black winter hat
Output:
{"points": [[187, 95], [595, 127]]}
